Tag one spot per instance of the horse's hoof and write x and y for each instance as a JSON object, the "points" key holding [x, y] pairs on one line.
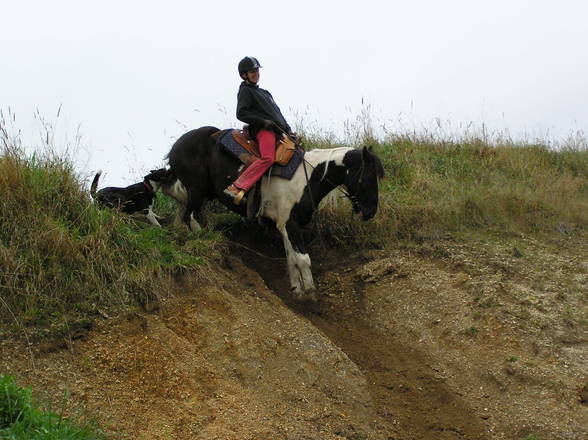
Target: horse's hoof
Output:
{"points": [[304, 297]]}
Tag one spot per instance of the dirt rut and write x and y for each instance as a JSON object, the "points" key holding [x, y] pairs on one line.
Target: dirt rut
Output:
{"points": [[410, 401]]}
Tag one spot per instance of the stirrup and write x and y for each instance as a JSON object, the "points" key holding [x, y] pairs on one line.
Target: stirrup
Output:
{"points": [[237, 198], [240, 197]]}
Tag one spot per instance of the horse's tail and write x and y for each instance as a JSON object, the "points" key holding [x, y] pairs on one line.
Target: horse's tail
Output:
{"points": [[95, 184]]}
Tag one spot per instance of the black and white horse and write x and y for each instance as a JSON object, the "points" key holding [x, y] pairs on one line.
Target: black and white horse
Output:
{"points": [[205, 168]]}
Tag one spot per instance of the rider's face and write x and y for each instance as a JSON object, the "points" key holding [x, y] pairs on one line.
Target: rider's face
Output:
{"points": [[253, 76]]}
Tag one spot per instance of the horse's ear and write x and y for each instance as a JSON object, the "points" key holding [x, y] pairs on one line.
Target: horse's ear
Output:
{"points": [[366, 152], [369, 155]]}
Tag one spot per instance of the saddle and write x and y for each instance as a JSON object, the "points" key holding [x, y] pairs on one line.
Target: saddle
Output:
{"points": [[285, 146]]}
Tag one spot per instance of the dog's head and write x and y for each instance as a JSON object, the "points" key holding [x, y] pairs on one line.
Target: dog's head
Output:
{"points": [[160, 178]]}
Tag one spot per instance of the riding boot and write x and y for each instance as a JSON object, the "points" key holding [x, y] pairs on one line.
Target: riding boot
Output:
{"points": [[235, 194]]}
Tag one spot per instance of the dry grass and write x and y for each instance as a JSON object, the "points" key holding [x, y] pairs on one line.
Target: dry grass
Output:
{"points": [[63, 260], [435, 187]]}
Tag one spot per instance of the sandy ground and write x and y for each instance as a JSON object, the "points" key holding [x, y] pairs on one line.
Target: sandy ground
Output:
{"points": [[445, 340]]}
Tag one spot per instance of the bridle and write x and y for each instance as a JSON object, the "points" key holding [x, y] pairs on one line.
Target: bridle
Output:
{"points": [[352, 197]]}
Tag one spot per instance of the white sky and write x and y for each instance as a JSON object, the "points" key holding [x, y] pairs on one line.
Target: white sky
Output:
{"points": [[138, 74]]}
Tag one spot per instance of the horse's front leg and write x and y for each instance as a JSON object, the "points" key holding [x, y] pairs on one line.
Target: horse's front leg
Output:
{"points": [[301, 281]]}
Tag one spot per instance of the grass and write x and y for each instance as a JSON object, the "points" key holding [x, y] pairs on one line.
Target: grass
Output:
{"points": [[437, 189], [21, 419], [62, 258]]}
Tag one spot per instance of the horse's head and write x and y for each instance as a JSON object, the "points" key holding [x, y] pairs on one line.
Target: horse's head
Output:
{"points": [[363, 171]]}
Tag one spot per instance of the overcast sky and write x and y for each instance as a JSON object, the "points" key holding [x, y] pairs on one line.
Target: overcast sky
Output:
{"points": [[135, 75]]}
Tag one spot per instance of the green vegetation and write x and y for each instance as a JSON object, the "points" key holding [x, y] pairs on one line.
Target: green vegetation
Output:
{"points": [[436, 189], [471, 331], [62, 259], [21, 419]]}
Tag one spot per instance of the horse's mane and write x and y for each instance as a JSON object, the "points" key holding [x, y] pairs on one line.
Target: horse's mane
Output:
{"points": [[331, 151]]}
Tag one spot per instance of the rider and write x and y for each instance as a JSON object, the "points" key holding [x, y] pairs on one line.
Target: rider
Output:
{"points": [[256, 107]]}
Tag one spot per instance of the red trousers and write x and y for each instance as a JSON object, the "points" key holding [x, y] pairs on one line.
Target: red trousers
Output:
{"points": [[267, 149]]}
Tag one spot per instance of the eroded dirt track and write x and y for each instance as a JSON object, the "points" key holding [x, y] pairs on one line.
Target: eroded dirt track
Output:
{"points": [[410, 400], [459, 341], [448, 341]]}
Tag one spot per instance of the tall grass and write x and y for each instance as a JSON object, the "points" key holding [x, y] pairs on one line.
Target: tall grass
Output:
{"points": [[62, 259], [437, 186]]}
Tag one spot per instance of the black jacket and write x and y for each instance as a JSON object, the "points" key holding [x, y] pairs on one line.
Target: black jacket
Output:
{"points": [[256, 106]]}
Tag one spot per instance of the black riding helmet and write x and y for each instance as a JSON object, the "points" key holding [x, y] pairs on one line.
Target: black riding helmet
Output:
{"points": [[247, 64]]}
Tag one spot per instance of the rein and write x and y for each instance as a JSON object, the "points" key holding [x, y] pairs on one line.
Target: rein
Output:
{"points": [[351, 197], [300, 150]]}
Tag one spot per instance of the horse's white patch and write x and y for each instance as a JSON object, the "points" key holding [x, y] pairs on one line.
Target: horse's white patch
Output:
{"points": [[194, 225], [280, 195], [177, 191]]}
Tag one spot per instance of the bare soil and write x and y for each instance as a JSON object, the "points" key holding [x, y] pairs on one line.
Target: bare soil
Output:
{"points": [[448, 339]]}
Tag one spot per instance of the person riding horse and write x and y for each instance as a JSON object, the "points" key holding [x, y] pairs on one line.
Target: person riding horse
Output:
{"points": [[256, 107]]}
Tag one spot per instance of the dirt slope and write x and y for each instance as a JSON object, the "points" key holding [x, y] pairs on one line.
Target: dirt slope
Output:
{"points": [[445, 341]]}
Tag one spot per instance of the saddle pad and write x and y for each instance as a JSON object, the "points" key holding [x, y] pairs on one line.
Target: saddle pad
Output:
{"points": [[247, 157]]}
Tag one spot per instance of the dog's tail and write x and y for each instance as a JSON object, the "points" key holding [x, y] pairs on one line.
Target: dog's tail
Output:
{"points": [[95, 184]]}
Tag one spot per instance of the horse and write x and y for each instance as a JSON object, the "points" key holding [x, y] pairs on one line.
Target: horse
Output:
{"points": [[206, 168]]}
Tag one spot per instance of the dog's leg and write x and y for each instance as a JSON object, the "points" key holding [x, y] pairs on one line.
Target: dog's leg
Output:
{"points": [[152, 217]]}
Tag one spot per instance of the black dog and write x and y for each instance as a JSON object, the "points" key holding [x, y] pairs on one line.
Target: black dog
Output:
{"points": [[137, 197]]}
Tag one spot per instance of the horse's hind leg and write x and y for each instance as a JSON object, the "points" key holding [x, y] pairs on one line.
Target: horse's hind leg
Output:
{"points": [[301, 281], [192, 212]]}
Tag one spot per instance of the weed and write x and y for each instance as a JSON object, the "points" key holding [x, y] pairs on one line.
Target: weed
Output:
{"points": [[21, 419], [471, 331]]}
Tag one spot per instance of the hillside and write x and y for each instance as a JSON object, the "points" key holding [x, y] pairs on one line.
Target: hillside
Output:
{"points": [[460, 312], [458, 342]]}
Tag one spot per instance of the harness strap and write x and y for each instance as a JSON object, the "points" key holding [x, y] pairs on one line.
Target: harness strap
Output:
{"points": [[338, 187], [304, 162]]}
